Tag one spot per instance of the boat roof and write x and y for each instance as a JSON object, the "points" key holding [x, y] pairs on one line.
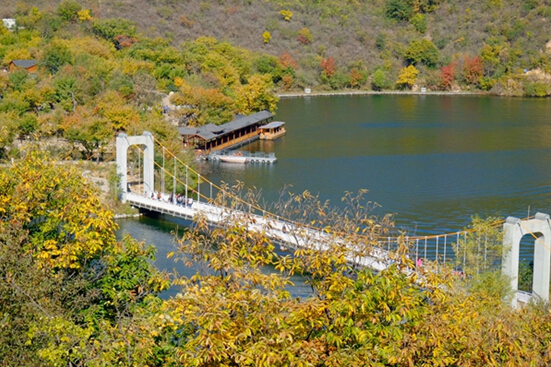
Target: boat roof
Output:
{"points": [[273, 124], [211, 131]]}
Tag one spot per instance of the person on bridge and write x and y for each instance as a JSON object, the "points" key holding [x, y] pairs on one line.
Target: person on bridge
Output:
{"points": [[189, 202]]}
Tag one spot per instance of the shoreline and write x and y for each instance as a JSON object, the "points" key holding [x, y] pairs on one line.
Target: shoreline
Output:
{"points": [[371, 92]]}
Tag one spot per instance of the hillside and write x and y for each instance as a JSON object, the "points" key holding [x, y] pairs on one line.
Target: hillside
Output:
{"points": [[105, 67], [339, 44]]}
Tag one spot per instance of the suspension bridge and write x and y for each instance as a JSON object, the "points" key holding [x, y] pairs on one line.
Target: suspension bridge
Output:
{"points": [[219, 207]]}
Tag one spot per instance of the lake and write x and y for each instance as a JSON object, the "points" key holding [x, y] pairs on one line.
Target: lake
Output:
{"points": [[431, 160]]}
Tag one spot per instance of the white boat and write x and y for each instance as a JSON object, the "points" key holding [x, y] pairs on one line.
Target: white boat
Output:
{"points": [[235, 158], [273, 130]]}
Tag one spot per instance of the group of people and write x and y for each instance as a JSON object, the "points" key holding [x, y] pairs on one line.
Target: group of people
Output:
{"points": [[177, 199], [180, 200]]}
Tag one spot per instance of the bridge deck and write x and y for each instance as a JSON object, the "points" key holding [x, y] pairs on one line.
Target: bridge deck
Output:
{"points": [[283, 232]]}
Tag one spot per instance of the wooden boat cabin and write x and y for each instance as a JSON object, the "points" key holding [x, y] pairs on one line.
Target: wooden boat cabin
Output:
{"points": [[216, 137], [273, 130]]}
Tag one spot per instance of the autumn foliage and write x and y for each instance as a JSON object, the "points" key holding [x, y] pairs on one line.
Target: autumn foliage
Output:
{"points": [[328, 67], [472, 69], [447, 76]]}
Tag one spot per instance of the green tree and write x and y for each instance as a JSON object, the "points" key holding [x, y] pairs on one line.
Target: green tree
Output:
{"points": [[113, 27], [379, 80], [56, 55], [419, 21], [422, 51], [68, 10], [399, 9]]}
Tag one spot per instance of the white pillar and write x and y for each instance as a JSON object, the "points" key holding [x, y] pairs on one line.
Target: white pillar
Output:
{"points": [[513, 231], [123, 142]]}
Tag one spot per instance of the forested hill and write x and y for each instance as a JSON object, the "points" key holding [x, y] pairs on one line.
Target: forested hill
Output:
{"points": [[106, 66], [482, 45]]}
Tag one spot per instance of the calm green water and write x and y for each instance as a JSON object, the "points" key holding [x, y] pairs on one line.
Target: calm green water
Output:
{"points": [[433, 161]]}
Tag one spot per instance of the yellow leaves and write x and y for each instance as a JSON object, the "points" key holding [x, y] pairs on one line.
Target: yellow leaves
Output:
{"points": [[407, 77], [287, 15], [132, 66], [256, 95], [84, 15], [266, 37]]}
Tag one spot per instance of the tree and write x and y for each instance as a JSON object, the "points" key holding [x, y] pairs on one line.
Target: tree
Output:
{"points": [[203, 106], [328, 67], [112, 106], [357, 78], [379, 80], [56, 55], [447, 76], [256, 95], [92, 132], [7, 132], [407, 77], [422, 51], [399, 9], [113, 27], [69, 10], [472, 70], [71, 294]]}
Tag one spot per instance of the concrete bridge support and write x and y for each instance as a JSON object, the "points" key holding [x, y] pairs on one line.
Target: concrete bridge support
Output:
{"points": [[513, 231], [123, 142]]}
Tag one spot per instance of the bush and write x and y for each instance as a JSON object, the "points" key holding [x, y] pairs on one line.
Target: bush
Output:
{"points": [[537, 89], [380, 41], [419, 22], [305, 36]]}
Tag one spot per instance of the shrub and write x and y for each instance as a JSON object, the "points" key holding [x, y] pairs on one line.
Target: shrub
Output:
{"points": [[339, 81], [185, 22], [287, 15], [537, 89], [305, 36], [266, 36], [380, 41], [419, 22]]}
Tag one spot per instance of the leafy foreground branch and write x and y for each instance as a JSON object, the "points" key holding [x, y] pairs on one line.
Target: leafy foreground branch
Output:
{"points": [[71, 295]]}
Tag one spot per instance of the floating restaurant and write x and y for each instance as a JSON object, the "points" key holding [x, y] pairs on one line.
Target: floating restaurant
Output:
{"points": [[212, 137]]}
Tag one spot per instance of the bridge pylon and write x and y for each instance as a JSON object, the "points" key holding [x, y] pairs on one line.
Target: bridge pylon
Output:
{"points": [[123, 143], [540, 229]]}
